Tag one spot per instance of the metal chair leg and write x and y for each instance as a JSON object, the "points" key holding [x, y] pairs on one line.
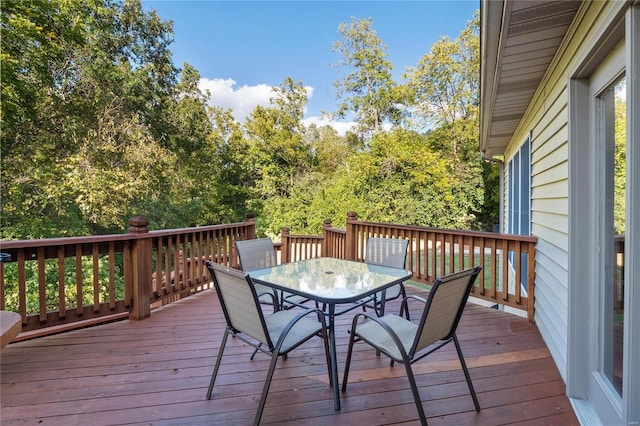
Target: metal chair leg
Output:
{"points": [[217, 366], [255, 351], [416, 394], [406, 307], [265, 389], [466, 373], [348, 361]]}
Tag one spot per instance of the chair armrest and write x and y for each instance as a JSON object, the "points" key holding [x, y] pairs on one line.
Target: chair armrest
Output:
{"points": [[404, 306], [384, 326], [273, 296]]}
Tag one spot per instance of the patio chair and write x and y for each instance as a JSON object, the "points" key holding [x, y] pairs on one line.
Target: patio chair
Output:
{"points": [[404, 341], [390, 252], [274, 335], [257, 254]]}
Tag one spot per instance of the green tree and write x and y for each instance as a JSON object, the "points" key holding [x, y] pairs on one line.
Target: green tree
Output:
{"points": [[397, 179], [620, 162], [368, 90], [230, 172], [83, 149], [35, 39], [444, 90], [329, 150], [98, 125], [184, 193], [402, 180], [444, 87], [277, 145]]}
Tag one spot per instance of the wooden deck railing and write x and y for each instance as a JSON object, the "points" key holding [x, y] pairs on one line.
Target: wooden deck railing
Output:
{"points": [[508, 261], [299, 247], [62, 282]]}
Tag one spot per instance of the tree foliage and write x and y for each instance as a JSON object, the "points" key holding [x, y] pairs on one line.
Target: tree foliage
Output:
{"points": [[279, 151], [368, 90], [99, 125], [620, 163]]}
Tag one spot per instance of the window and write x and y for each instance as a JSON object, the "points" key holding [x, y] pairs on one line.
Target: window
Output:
{"points": [[519, 206]]}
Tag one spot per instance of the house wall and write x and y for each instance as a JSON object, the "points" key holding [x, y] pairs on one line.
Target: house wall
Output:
{"points": [[547, 119]]}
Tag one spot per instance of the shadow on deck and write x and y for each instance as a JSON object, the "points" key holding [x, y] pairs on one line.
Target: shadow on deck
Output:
{"points": [[156, 371]]}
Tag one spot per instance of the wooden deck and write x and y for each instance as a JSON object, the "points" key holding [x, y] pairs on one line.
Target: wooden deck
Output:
{"points": [[156, 371]]}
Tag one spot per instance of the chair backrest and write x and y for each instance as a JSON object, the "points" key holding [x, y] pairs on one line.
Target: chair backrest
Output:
{"points": [[255, 254], [444, 307], [387, 252], [239, 302]]}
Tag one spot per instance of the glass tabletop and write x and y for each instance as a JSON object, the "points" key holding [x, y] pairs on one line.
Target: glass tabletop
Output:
{"points": [[330, 280]]}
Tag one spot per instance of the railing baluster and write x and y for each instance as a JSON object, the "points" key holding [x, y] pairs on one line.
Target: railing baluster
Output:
{"points": [[518, 270], [42, 285], [481, 262], [112, 275], [531, 288], [158, 270], [504, 285], [128, 275], [452, 241], [62, 293], [494, 270], [429, 255], [79, 283], [177, 266], [165, 282], [96, 278], [2, 288], [192, 259], [22, 285]]}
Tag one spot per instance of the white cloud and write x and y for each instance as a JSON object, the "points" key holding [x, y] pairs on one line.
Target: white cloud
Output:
{"points": [[241, 100], [341, 126]]}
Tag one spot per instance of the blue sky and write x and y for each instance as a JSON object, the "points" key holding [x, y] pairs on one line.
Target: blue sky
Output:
{"points": [[242, 48]]}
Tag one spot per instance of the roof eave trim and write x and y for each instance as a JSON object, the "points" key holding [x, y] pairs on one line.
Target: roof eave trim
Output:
{"points": [[493, 14]]}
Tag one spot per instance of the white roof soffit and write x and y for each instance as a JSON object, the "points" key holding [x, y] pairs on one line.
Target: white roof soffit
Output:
{"points": [[518, 40]]}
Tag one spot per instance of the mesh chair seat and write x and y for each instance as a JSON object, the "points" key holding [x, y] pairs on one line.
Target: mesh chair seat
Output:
{"points": [[305, 327], [374, 333], [406, 342]]}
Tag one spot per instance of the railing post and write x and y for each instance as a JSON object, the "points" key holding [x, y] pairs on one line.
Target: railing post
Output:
{"points": [[352, 236], [284, 248], [141, 269], [531, 276], [251, 228], [326, 249]]}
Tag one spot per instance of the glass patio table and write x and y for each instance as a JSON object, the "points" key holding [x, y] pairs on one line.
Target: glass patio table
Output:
{"points": [[332, 282]]}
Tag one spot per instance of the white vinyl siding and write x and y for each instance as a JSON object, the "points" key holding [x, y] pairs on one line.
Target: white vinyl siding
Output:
{"points": [[564, 300], [550, 223], [546, 119], [591, 37]]}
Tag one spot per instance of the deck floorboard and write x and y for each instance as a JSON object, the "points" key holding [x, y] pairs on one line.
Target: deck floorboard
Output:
{"points": [[156, 371]]}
